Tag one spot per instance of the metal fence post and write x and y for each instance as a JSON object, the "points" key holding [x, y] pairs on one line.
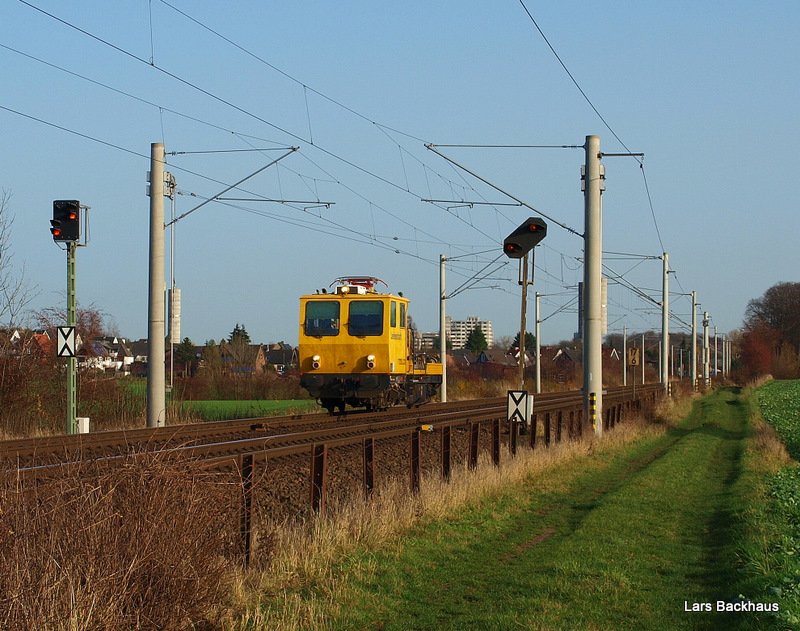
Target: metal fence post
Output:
{"points": [[415, 461], [446, 453], [246, 531], [319, 467]]}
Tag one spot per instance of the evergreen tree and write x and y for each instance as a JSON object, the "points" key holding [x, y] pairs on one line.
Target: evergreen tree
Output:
{"points": [[239, 335], [185, 352], [530, 341], [476, 341]]}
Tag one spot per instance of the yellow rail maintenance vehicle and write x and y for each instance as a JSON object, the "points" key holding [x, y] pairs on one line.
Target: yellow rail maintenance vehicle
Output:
{"points": [[357, 348]]}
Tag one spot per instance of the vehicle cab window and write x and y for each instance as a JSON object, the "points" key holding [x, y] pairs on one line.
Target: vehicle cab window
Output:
{"points": [[322, 318], [365, 318]]}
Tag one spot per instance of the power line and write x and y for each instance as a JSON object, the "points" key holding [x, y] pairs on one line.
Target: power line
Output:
{"points": [[288, 75], [232, 186], [350, 163], [382, 128], [218, 98], [599, 115], [467, 146], [571, 76], [652, 210], [306, 88], [498, 189]]}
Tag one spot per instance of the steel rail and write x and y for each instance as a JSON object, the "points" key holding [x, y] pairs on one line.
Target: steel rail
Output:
{"points": [[127, 440], [224, 441]]}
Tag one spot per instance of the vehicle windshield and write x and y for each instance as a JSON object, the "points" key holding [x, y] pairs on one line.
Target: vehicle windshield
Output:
{"points": [[366, 318], [322, 318]]}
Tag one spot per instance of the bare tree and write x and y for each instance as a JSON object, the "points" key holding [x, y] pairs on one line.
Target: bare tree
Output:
{"points": [[778, 310], [15, 293], [89, 321]]}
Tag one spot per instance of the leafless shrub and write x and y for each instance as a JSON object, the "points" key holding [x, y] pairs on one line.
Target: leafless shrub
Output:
{"points": [[147, 544]]}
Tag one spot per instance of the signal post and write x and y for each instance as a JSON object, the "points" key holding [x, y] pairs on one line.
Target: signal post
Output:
{"points": [[65, 228], [517, 245]]}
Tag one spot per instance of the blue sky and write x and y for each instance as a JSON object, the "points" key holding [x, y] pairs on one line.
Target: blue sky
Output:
{"points": [[707, 91]]}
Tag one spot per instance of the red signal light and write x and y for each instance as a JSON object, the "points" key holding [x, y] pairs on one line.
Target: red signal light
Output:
{"points": [[66, 221], [524, 238]]}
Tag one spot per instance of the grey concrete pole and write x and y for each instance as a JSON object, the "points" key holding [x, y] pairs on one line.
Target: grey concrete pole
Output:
{"points": [[665, 323], [694, 340], [644, 363], [716, 370], [625, 355], [724, 356], [537, 315], [672, 361], [706, 349], [730, 355], [156, 406], [442, 328], [592, 271]]}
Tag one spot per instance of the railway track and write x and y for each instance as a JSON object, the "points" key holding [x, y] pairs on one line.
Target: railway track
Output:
{"points": [[221, 443], [284, 463]]}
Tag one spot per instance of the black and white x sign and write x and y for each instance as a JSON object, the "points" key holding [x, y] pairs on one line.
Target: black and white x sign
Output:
{"points": [[65, 345], [518, 406]]}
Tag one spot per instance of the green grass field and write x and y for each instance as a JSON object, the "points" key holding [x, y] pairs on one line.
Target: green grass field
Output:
{"points": [[224, 410], [625, 544], [632, 538]]}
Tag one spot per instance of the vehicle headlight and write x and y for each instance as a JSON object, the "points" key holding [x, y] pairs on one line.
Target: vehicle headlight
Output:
{"points": [[370, 361], [316, 361]]}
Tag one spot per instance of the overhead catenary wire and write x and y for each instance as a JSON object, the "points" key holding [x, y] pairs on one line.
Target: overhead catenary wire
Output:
{"points": [[195, 119], [405, 188], [240, 109], [206, 92], [599, 115], [232, 186], [289, 76], [219, 99], [432, 147]]}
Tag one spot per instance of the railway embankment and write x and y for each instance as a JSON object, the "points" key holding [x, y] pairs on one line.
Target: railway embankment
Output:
{"points": [[671, 528]]}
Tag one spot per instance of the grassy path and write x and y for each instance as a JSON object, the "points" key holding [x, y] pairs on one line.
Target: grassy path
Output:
{"points": [[623, 544]]}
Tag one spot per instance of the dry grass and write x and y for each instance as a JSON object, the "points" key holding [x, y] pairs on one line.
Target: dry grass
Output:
{"points": [[671, 410], [300, 588], [143, 545], [767, 452]]}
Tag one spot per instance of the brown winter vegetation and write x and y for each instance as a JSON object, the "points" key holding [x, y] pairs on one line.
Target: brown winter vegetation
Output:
{"points": [[770, 340], [147, 543], [152, 541]]}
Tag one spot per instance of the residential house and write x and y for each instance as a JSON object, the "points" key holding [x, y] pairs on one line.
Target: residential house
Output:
{"points": [[243, 359], [107, 354], [281, 357]]}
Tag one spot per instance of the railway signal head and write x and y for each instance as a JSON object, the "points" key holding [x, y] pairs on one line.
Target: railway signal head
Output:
{"points": [[524, 238], [66, 222]]}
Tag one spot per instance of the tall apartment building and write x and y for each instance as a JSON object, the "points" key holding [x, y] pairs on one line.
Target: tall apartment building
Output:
{"points": [[458, 330]]}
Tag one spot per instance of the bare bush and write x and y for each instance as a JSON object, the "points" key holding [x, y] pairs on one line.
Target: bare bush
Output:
{"points": [[207, 384], [148, 544]]}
